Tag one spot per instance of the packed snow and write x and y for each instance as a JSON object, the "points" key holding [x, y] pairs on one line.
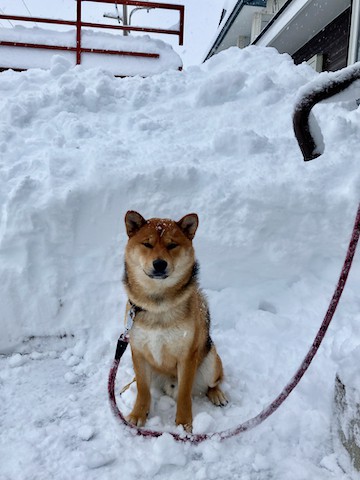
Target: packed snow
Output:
{"points": [[78, 149]]}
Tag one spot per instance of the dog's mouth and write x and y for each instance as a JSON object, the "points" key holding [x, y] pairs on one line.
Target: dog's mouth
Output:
{"points": [[157, 275]]}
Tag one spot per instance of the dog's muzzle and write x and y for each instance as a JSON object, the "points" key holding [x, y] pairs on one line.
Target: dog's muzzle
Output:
{"points": [[159, 269]]}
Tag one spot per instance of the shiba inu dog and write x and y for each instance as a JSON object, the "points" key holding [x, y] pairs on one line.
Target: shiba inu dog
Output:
{"points": [[170, 338]]}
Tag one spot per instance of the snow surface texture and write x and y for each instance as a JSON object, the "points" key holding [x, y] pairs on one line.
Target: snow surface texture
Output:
{"points": [[118, 64], [78, 149]]}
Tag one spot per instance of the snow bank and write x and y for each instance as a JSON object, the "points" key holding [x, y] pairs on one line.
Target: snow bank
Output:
{"points": [[78, 149], [23, 58]]}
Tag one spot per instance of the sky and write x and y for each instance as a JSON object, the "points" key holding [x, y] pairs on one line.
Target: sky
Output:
{"points": [[201, 20]]}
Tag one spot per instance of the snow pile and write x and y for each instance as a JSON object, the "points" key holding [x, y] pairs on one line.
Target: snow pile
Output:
{"points": [[78, 149], [23, 58]]}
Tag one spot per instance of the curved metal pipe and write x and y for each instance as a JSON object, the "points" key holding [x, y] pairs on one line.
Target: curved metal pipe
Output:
{"points": [[332, 86]]}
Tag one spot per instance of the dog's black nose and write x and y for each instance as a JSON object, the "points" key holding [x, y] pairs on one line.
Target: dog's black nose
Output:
{"points": [[159, 265]]}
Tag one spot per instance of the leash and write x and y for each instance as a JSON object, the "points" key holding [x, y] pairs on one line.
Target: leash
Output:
{"points": [[278, 401], [337, 82]]}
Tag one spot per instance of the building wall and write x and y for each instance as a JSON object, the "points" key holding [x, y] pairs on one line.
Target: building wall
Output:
{"points": [[273, 6], [332, 42]]}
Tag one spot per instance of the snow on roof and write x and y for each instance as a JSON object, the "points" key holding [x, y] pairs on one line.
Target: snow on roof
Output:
{"points": [[24, 58]]}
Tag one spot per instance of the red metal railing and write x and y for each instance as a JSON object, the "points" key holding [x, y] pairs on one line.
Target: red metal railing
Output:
{"points": [[79, 24]]}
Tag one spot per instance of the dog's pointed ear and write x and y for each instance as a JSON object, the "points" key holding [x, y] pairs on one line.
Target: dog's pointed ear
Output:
{"points": [[133, 222], [189, 225]]}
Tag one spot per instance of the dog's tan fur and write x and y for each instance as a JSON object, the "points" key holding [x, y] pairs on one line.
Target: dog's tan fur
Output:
{"points": [[170, 337]]}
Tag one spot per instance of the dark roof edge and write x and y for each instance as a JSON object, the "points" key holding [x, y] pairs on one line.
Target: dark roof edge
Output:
{"points": [[232, 17], [225, 28]]}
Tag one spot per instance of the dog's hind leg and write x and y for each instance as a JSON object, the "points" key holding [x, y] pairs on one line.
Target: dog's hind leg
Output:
{"points": [[210, 375], [217, 396]]}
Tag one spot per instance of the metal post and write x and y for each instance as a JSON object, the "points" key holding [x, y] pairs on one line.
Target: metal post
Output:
{"points": [[125, 19], [78, 33], [181, 25], [354, 33]]}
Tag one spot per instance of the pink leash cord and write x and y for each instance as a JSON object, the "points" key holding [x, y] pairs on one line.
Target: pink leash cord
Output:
{"points": [[337, 82], [275, 404]]}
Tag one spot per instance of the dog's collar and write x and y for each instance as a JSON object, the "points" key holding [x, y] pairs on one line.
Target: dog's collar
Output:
{"points": [[131, 314], [135, 308], [133, 311], [124, 337]]}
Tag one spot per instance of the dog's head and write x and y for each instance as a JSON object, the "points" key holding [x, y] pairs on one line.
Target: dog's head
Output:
{"points": [[160, 249]]}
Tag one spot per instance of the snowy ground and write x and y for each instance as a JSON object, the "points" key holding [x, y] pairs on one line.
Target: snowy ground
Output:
{"points": [[77, 150]]}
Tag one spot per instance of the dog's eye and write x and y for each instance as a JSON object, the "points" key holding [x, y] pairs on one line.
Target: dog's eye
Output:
{"points": [[171, 246], [147, 245]]}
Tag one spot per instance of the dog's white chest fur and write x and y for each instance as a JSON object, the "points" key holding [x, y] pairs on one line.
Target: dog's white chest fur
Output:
{"points": [[160, 343]]}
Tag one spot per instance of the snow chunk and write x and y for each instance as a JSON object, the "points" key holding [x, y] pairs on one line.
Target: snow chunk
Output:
{"points": [[71, 377], [59, 65], [203, 423], [17, 360], [86, 432], [73, 361], [98, 459], [221, 88], [168, 452]]}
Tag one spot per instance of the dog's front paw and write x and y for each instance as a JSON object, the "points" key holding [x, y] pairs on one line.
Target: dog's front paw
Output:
{"points": [[186, 423], [137, 418]]}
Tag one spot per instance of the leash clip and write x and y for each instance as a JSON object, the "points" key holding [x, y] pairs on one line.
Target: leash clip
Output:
{"points": [[124, 337], [130, 319]]}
